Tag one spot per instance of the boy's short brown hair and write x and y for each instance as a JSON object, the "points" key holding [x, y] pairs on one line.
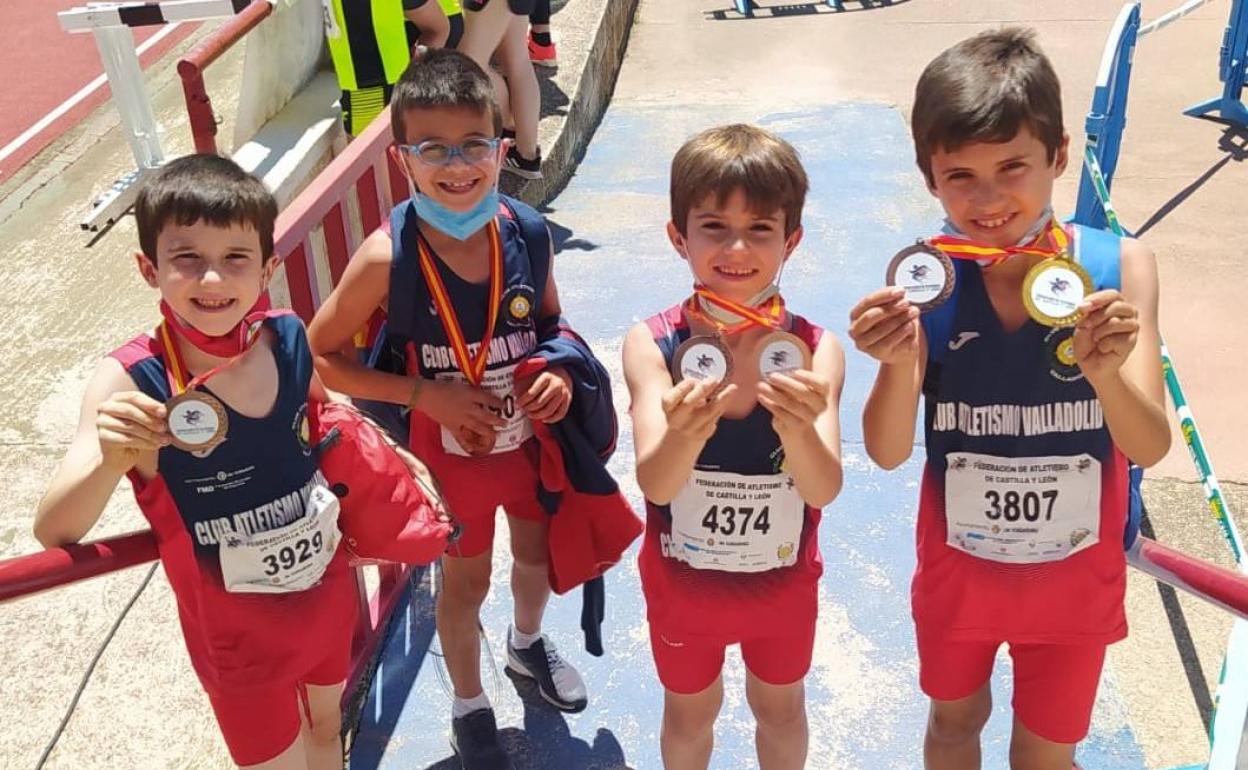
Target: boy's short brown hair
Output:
{"points": [[205, 188], [724, 159], [442, 78], [985, 89]]}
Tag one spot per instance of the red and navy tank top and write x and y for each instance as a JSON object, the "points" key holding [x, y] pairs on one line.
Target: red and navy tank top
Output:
{"points": [[991, 399], [687, 600], [413, 321], [256, 480]]}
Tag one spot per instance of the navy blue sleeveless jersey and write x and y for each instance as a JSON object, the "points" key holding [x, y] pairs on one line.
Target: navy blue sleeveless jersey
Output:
{"points": [[256, 480], [411, 314], [683, 599], [413, 324], [1016, 395]]}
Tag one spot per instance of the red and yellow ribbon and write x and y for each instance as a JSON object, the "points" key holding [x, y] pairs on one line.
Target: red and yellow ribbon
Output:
{"points": [[769, 315], [473, 367], [176, 368], [959, 248]]}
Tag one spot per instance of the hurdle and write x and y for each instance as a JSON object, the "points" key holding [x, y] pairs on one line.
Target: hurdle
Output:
{"points": [[1231, 71], [112, 25]]}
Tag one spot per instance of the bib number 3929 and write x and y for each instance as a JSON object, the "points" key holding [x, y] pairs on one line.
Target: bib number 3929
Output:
{"points": [[286, 559], [1022, 510]]}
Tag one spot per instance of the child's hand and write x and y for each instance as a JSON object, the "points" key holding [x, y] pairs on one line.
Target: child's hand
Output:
{"points": [[794, 399], [128, 424], [461, 408], [693, 408], [885, 326], [1106, 334], [546, 396]]}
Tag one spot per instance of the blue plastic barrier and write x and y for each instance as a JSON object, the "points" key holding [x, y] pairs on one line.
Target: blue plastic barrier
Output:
{"points": [[1231, 70], [1108, 115]]}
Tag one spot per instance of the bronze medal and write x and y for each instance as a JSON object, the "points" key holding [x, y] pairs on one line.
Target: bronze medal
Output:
{"points": [[781, 352], [703, 357], [924, 272], [197, 421]]}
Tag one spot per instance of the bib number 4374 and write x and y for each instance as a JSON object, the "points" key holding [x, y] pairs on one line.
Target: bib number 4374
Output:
{"points": [[729, 520]]}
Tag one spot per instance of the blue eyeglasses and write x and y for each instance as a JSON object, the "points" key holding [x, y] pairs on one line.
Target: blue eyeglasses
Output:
{"points": [[435, 153]]}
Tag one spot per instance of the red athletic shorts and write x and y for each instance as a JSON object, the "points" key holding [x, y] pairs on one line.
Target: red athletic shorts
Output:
{"points": [[479, 523], [690, 664], [258, 723], [1054, 684]]}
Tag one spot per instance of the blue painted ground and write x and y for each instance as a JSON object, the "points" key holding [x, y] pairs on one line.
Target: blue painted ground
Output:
{"points": [[615, 267]]}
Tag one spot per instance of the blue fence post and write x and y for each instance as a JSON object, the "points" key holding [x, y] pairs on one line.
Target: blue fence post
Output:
{"points": [[1108, 116], [1231, 70]]}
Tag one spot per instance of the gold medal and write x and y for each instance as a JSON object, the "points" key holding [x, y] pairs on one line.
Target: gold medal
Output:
{"points": [[924, 272], [198, 422], [703, 357], [1054, 289], [781, 352]]}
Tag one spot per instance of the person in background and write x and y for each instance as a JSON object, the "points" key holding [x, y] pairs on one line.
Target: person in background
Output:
{"points": [[541, 46], [498, 30]]}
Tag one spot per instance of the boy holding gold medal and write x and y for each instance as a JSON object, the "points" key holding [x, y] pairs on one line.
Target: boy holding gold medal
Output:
{"points": [[1034, 345], [734, 406]]}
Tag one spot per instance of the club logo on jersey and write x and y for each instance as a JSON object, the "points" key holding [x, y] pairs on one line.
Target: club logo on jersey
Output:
{"points": [[519, 301], [1059, 344], [302, 429]]}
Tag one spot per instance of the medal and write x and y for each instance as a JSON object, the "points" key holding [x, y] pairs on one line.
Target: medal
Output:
{"points": [[782, 352], [704, 357], [198, 421], [1054, 289], [924, 272]]}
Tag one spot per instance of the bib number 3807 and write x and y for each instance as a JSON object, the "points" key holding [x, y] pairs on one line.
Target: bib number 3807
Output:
{"points": [[1022, 510], [1012, 505]]}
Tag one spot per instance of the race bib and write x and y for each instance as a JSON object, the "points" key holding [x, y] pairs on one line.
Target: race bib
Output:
{"points": [[1022, 510], [500, 383], [736, 523], [287, 559]]}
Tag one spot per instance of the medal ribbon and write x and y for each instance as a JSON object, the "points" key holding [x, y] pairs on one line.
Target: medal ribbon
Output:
{"points": [[960, 248], [176, 368], [472, 367], [768, 315]]}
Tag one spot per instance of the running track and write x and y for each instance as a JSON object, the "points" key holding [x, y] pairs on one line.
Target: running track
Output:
{"points": [[42, 66]]}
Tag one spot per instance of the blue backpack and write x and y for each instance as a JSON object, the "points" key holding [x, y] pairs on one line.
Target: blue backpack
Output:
{"points": [[1100, 254]]}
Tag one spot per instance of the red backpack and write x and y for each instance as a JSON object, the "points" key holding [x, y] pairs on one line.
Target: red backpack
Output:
{"points": [[390, 507]]}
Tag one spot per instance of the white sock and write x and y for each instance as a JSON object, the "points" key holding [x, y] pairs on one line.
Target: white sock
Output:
{"points": [[522, 641], [464, 706]]}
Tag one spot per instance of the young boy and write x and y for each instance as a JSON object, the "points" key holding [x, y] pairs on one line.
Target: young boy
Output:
{"points": [[460, 287], [207, 419], [1028, 426], [734, 468]]}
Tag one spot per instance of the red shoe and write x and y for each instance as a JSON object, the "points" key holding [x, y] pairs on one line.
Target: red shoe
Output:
{"points": [[542, 55]]}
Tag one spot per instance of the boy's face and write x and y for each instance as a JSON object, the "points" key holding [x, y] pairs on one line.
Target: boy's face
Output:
{"points": [[732, 250], [995, 192], [459, 185], [211, 276]]}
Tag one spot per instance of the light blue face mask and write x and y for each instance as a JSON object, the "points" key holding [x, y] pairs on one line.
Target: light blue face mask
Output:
{"points": [[460, 225]]}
